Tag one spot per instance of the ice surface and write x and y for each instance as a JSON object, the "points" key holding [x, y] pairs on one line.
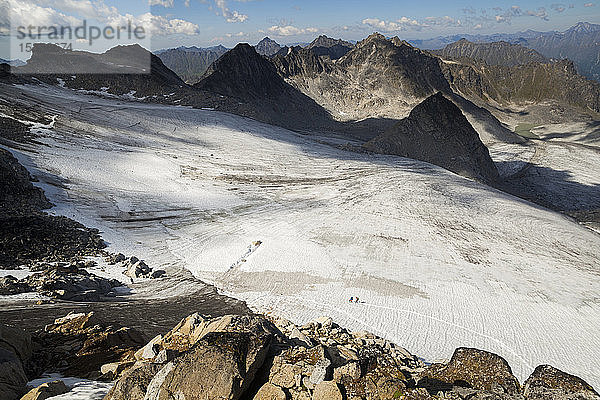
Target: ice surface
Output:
{"points": [[80, 389], [439, 261]]}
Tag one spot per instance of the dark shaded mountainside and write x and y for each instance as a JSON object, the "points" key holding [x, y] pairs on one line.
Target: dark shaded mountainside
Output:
{"points": [[244, 75], [190, 63], [435, 129]]}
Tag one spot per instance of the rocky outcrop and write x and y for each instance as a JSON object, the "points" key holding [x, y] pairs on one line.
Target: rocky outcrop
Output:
{"points": [[17, 193], [258, 357], [80, 344], [475, 369], [437, 132], [549, 383], [61, 281], [236, 346], [46, 390]]}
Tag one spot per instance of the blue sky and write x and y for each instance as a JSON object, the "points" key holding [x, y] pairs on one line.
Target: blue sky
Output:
{"points": [[211, 22]]}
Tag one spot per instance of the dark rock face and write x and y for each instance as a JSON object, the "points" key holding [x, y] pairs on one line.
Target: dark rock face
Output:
{"points": [[547, 382], [27, 238], [267, 47], [17, 193], [472, 368], [436, 131], [15, 353], [252, 80], [496, 53], [242, 73], [299, 61]]}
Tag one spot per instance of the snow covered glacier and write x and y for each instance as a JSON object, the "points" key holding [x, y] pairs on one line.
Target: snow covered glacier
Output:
{"points": [[294, 225]]}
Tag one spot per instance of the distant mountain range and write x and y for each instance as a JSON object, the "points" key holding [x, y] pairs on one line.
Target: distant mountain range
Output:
{"points": [[368, 91], [12, 63], [580, 43], [190, 63]]}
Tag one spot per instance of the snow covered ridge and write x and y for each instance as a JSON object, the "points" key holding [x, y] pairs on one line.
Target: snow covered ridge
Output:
{"points": [[438, 261]]}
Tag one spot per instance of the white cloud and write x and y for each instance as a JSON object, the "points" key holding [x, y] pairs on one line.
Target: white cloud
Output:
{"points": [[164, 3], [290, 30], [401, 24], [72, 13], [588, 5], [230, 16]]}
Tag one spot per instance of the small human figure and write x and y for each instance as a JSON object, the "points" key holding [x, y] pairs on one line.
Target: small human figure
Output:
{"points": [[351, 299], [356, 301]]}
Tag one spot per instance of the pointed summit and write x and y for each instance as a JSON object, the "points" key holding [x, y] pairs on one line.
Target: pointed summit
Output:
{"points": [[267, 47], [436, 131]]}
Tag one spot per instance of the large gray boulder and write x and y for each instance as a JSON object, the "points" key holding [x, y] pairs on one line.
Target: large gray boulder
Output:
{"points": [[549, 383], [477, 369], [222, 365]]}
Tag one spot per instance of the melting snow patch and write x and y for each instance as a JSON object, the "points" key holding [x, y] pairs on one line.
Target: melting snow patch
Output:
{"points": [[80, 389]]}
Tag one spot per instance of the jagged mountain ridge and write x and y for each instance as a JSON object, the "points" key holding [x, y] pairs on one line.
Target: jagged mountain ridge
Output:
{"points": [[245, 75], [495, 53], [580, 43], [436, 131], [332, 48]]}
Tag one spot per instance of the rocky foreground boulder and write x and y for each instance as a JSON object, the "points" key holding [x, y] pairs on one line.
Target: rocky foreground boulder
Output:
{"points": [[79, 344], [261, 358], [255, 357]]}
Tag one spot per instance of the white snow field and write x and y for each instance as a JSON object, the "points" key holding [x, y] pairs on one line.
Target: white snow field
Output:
{"points": [[438, 261]]}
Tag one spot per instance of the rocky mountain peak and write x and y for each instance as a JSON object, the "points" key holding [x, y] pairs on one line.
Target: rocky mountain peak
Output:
{"points": [[267, 47], [436, 131], [583, 27], [326, 41]]}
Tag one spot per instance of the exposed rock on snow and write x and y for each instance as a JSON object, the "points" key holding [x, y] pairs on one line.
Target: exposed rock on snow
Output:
{"points": [[436, 131], [46, 390], [64, 282]]}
